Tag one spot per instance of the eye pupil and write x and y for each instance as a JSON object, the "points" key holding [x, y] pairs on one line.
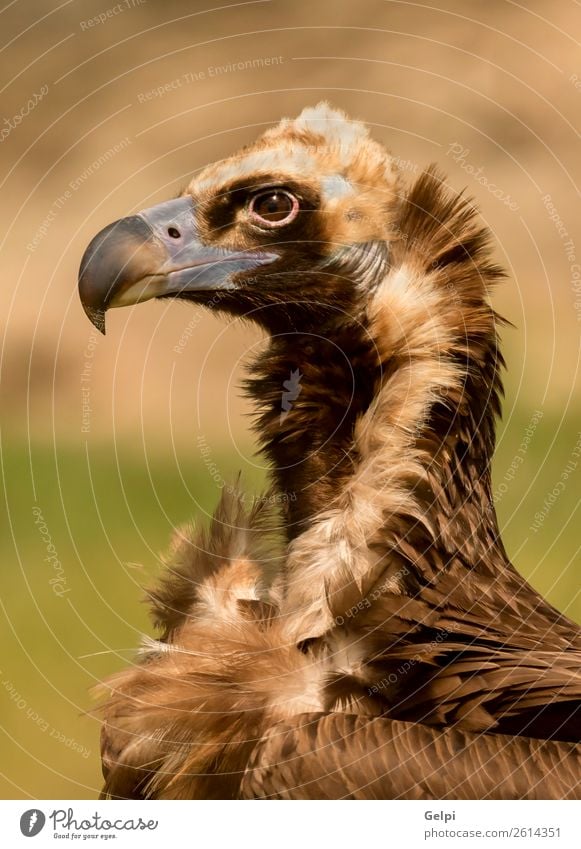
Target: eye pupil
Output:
{"points": [[274, 207]]}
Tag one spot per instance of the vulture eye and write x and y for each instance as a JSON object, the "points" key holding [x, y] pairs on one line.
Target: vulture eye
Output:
{"points": [[273, 208]]}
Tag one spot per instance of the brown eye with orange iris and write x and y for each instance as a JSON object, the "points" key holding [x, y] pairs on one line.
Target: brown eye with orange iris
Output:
{"points": [[273, 208]]}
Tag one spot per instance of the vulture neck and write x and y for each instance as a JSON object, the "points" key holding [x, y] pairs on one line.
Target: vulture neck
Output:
{"points": [[331, 407], [381, 457], [311, 390]]}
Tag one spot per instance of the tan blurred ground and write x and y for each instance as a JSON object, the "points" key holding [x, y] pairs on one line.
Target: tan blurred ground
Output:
{"points": [[100, 434], [492, 78]]}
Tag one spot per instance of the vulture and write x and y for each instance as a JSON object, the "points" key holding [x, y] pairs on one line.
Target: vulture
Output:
{"points": [[358, 632]]}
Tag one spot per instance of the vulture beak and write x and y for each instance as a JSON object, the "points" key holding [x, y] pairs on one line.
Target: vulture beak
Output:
{"points": [[155, 253]]}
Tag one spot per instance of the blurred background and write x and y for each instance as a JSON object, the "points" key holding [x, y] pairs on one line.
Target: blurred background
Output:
{"points": [[107, 108]]}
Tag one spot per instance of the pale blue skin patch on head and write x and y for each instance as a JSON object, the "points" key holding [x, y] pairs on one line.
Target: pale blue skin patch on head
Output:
{"points": [[335, 187]]}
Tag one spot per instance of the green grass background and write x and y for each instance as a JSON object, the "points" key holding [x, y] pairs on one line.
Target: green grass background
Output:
{"points": [[110, 511]]}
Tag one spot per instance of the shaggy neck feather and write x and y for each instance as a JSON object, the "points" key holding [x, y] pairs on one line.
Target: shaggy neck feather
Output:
{"points": [[387, 448], [310, 390]]}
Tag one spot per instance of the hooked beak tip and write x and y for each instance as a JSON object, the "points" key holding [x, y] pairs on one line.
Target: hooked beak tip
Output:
{"points": [[97, 318]]}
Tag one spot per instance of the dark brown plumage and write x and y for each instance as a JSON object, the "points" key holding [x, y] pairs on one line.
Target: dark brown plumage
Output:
{"points": [[394, 614], [341, 756]]}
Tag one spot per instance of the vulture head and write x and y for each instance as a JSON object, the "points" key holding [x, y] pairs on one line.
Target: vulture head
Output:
{"points": [[378, 388], [356, 280], [290, 232]]}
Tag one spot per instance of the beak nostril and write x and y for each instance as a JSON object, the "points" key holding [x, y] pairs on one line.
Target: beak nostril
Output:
{"points": [[173, 232]]}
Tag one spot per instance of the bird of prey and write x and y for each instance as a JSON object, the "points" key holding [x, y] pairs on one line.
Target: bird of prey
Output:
{"points": [[395, 652]]}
